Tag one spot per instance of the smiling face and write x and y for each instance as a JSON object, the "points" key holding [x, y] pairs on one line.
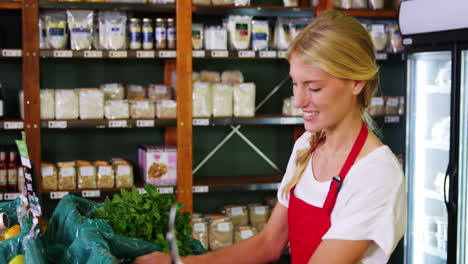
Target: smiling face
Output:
{"points": [[324, 99]]}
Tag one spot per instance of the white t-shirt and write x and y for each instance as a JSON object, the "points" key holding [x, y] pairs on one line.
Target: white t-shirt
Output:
{"points": [[371, 204]]}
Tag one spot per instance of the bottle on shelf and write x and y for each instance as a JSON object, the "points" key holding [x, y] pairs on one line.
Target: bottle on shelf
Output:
{"points": [[3, 171], [12, 184], [2, 103]]}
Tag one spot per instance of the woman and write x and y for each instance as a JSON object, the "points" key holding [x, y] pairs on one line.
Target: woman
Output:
{"points": [[342, 199]]}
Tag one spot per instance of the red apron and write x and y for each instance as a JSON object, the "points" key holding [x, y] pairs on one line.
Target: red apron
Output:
{"points": [[307, 223]]}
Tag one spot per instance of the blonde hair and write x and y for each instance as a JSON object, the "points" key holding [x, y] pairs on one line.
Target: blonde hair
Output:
{"points": [[341, 46]]}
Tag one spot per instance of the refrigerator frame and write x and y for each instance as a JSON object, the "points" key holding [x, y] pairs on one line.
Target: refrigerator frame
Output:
{"points": [[452, 168]]}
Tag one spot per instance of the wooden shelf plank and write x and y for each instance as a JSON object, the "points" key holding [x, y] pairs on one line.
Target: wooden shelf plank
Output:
{"points": [[11, 5], [370, 13], [163, 8], [264, 11]]}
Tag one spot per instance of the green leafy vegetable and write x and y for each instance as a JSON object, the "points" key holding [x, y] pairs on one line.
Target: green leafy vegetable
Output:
{"points": [[145, 216]]}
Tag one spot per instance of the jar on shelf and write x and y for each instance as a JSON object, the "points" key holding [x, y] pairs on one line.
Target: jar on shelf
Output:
{"points": [[171, 33], [160, 33], [148, 33], [135, 33]]}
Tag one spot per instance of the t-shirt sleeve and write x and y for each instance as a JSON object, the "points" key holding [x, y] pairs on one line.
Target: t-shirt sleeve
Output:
{"points": [[374, 209], [300, 143]]}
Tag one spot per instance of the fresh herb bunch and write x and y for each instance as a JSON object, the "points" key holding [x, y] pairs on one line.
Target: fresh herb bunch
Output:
{"points": [[146, 216]]}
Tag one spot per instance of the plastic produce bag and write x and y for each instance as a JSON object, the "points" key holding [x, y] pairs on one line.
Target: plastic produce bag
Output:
{"points": [[80, 25], [91, 104], [113, 30], [117, 109], [166, 109], [26, 243], [66, 104], [244, 99], [47, 104], [56, 29], [282, 36], [222, 99], [240, 29], [260, 34], [74, 235], [202, 99]]}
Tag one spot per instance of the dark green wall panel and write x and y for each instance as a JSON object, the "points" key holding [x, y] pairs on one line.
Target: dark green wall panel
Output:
{"points": [[10, 81]]}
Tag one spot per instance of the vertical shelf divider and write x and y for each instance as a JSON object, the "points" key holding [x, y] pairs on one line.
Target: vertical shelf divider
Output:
{"points": [[184, 104], [31, 83]]}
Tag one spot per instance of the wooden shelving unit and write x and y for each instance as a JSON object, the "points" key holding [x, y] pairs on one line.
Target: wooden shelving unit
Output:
{"points": [[177, 131], [11, 5]]}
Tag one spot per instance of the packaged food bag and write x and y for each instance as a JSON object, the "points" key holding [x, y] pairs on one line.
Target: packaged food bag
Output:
{"points": [[222, 99], [244, 100]]}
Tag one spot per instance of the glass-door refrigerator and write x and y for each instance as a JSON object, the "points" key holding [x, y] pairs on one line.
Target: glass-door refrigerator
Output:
{"points": [[436, 46], [428, 152]]}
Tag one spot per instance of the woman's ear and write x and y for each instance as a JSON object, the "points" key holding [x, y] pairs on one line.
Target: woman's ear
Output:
{"points": [[358, 86]]}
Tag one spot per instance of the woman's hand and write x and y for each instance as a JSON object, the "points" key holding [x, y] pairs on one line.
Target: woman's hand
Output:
{"points": [[154, 258]]}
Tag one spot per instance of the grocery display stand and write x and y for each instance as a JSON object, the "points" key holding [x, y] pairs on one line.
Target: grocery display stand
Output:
{"points": [[179, 131]]}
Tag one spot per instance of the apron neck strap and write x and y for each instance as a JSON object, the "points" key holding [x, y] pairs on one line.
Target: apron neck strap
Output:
{"points": [[338, 180]]}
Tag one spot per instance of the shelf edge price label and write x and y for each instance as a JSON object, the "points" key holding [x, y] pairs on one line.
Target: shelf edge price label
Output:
{"points": [[381, 56], [63, 54], [200, 189], [165, 190], [287, 121], [93, 54], [219, 53], [13, 125], [145, 123], [1, 196], [12, 53], [145, 54], [11, 196], [91, 193], [407, 41], [281, 54], [118, 54], [117, 123], [57, 195], [198, 53], [167, 54], [57, 124], [267, 54], [246, 54], [201, 122], [392, 119]]}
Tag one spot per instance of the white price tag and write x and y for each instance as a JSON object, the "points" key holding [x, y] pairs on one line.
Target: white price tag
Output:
{"points": [[47, 171], [167, 54], [105, 170], [57, 124], [141, 191], [118, 54], [93, 54], [237, 211], [63, 54], [199, 227], [287, 120], [67, 172], [165, 190], [201, 122], [392, 101], [123, 170], [407, 41], [87, 171], [11, 196], [260, 210], [198, 53], [381, 56], [246, 54], [391, 119], [1, 196], [376, 101], [223, 227], [12, 53], [219, 53], [145, 123], [267, 54], [117, 123], [281, 54], [145, 54], [91, 193], [200, 189], [13, 125], [57, 195], [246, 234]]}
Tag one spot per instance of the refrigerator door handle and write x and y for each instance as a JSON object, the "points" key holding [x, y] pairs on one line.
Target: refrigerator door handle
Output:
{"points": [[446, 200]]}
